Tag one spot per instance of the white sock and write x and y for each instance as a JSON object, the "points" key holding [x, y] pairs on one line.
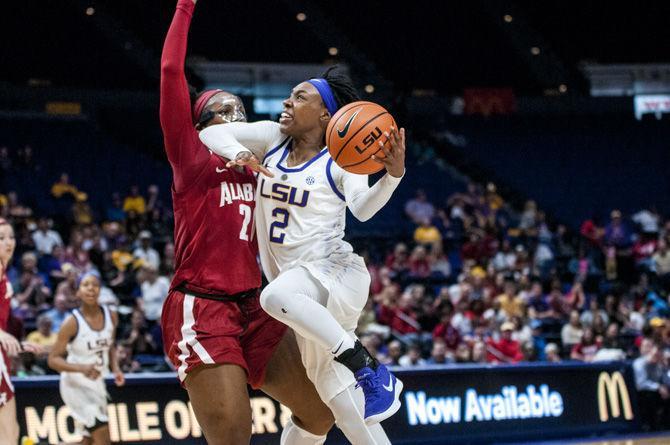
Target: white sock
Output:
{"points": [[294, 435], [346, 342], [348, 407]]}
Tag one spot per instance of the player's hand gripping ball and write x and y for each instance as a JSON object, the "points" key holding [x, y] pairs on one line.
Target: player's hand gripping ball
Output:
{"points": [[360, 135]]}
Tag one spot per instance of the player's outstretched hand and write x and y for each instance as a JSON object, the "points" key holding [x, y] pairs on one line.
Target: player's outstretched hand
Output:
{"points": [[248, 159], [90, 371], [10, 344], [119, 378], [394, 162]]}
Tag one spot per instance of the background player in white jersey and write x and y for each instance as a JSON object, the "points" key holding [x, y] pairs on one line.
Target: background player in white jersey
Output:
{"points": [[318, 286], [87, 337]]}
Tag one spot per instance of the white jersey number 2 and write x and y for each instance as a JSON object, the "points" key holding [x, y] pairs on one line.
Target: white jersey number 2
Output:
{"points": [[245, 211]]}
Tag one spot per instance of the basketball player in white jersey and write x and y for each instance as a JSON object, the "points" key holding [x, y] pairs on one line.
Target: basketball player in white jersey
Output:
{"points": [[87, 337], [318, 286]]}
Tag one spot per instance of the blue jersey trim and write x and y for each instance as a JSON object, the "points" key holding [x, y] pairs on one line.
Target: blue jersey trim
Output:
{"points": [[331, 181], [287, 149], [274, 150]]}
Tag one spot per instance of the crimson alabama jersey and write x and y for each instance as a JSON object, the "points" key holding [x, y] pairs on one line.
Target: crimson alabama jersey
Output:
{"points": [[215, 246]]}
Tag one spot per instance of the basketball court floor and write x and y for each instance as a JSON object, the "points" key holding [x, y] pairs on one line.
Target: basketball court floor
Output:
{"points": [[641, 439]]}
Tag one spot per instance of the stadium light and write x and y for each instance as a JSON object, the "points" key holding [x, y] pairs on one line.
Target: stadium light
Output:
{"points": [[90, 10], [535, 51], [508, 18], [301, 16], [369, 88], [333, 51]]}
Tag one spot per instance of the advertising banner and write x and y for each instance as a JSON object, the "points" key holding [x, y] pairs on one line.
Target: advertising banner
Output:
{"points": [[464, 404]]}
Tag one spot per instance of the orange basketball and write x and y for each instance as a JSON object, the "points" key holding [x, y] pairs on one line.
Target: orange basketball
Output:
{"points": [[353, 133]]}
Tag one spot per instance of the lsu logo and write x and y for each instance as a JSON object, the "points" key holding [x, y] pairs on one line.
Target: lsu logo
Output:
{"points": [[284, 193], [612, 390], [369, 140]]}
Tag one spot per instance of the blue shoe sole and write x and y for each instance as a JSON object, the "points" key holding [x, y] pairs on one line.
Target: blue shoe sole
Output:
{"points": [[395, 406]]}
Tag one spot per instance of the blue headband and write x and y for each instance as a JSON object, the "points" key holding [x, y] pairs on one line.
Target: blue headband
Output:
{"points": [[90, 273], [326, 94]]}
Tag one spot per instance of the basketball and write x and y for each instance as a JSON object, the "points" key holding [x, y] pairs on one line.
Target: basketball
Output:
{"points": [[352, 136]]}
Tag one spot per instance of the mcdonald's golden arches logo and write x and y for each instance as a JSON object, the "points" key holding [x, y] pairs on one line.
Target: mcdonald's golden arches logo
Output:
{"points": [[612, 392]]}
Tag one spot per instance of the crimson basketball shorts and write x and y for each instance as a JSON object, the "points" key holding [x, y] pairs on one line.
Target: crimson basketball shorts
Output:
{"points": [[6, 387], [200, 331]]}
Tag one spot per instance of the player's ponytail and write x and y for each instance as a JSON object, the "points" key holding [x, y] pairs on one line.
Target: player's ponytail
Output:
{"points": [[341, 85]]}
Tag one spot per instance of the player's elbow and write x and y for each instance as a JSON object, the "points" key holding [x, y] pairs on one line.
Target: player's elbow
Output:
{"points": [[169, 67], [362, 216]]}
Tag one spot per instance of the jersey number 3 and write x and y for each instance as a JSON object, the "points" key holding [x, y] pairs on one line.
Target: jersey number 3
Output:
{"points": [[276, 228]]}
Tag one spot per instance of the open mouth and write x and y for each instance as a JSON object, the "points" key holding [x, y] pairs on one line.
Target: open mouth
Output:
{"points": [[285, 117]]}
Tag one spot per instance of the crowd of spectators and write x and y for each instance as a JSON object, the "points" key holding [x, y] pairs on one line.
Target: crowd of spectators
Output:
{"points": [[480, 282], [129, 242], [476, 282]]}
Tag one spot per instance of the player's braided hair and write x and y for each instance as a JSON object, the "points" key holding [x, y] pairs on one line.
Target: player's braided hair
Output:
{"points": [[341, 85]]}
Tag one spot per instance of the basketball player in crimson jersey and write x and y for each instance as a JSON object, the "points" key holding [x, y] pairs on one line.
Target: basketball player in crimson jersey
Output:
{"points": [[215, 332], [9, 346]]}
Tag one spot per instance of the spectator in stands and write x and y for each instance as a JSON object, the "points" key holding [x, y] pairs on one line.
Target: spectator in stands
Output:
{"points": [[134, 202], [419, 265], [125, 357], [529, 216], [505, 259], [538, 340], [58, 313], [647, 220], [6, 164], [167, 265], [68, 287], [653, 395], [153, 199], [82, 214], [463, 354], [412, 357], [426, 233], [446, 332], [530, 354], [398, 260], [575, 299], [419, 209], [138, 336], [440, 268], [594, 309], [505, 350], [511, 303], [552, 353], [479, 354], [44, 335], [661, 261], [401, 318], [115, 211], [45, 238], [64, 195], [572, 332], [146, 252], [16, 209], [32, 289], [394, 353], [587, 348], [154, 291], [438, 355], [537, 305]]}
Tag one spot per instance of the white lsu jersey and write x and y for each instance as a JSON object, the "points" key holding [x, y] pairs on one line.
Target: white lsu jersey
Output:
{"points": [[89, 346], [300, 213]]}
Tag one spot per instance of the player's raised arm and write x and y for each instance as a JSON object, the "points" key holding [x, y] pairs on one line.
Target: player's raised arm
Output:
{"points": [[175, 103], [238, 141]]}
